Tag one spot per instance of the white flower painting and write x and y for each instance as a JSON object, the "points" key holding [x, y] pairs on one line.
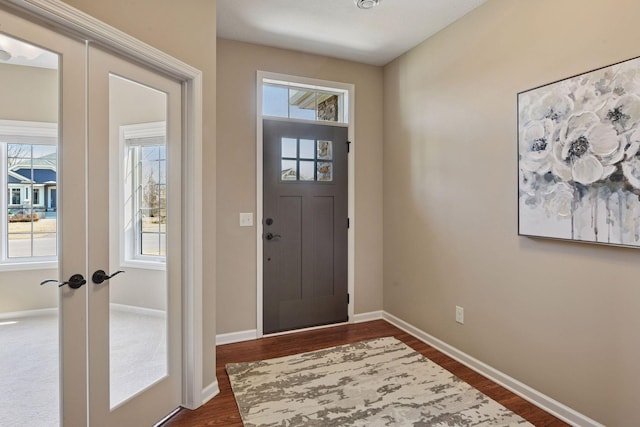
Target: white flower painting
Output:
{"points": [[579, 157]]}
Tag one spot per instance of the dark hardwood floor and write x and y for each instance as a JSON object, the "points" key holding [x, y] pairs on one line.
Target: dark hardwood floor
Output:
{"points": [[222, 409]]}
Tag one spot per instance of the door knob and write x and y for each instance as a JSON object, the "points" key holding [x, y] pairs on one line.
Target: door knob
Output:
{"points": [[100, 276], [271, 236], [74, 281]]}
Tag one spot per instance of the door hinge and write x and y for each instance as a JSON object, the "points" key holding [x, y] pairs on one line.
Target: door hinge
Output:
{"points": [[348, 146], [348, 223], [348, 298]]}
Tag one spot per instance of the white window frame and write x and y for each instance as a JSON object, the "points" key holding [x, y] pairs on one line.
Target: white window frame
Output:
{"points": [[27, 132], [130, 244], [319, 87]]}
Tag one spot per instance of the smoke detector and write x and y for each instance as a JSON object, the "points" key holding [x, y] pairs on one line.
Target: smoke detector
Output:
{"points": [[367, 4], [4, 55]]}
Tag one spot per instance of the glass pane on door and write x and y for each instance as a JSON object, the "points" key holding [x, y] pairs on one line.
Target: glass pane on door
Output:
{"points": [[138, 234], [29, 344]]}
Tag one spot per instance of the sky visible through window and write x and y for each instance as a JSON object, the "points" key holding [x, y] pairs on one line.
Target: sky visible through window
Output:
{"points": [[301, 103]]}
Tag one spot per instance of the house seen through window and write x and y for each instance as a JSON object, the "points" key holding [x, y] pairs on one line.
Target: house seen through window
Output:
{"points": [[30, 211], [145, 192], [152, 199]]}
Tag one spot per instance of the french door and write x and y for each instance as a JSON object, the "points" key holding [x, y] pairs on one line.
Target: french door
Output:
{"points": [[111, 264], [134, 218]]}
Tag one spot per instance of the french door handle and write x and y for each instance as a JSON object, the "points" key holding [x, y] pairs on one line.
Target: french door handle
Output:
{"points": [[271, 236], [100, 276], [74, 281]]}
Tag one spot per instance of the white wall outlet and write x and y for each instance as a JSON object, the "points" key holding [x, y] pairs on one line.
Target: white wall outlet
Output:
{"points": [[460, 315], [246, 219]]}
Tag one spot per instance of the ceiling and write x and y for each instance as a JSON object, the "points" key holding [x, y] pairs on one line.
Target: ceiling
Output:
{"points": [[16, 52], [337, 28]]}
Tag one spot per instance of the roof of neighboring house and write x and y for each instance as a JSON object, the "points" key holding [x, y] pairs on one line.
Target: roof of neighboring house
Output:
{"points": [[40, 176], [43, 169]]}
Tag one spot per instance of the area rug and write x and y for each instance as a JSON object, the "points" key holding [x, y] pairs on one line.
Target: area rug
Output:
{"points": [[380, 382]]}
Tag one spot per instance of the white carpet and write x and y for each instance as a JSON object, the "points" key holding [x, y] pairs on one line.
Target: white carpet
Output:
{"points": [[29, 364]]}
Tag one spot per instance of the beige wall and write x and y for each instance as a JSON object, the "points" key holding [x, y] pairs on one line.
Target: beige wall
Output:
{"points": [[29, 93], [21, 291], [187, 31], [237, 66], [561, 317]]}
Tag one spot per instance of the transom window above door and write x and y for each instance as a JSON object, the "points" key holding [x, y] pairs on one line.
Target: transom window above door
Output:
{"points": [[303, 102], [306, 160]]}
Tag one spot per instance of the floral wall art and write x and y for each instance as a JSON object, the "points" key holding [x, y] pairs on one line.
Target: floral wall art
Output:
{"points": [[579, 157]]}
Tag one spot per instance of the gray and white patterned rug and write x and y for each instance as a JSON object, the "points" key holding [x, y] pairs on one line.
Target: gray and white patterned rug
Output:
{"points": [[380, 382]]}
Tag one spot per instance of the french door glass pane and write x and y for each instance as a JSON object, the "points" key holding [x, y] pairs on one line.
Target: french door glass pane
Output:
{"points": [[138, 299], [29, 347]]}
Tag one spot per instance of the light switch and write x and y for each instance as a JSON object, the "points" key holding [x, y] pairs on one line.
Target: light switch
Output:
{"points": [[246, 219]]}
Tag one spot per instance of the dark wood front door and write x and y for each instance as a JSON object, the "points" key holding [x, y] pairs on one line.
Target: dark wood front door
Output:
{"points": [[305, 225]]}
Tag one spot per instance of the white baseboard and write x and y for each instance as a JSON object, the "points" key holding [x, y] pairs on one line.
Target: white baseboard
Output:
{"points": [[367, 317], [234, 337], [542, 401], [134, 309], [210, 391], [28, 313]]}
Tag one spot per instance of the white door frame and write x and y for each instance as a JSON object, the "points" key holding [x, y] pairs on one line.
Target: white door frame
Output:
{"points": [[350, 88], [88, 28]]}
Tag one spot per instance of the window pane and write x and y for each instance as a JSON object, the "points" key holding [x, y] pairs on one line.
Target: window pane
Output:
{"points": [[45, 152], [289, 148], [44, 244], [325, 171], [150, 152], [150, 220], [306, 170], [150, 244], [275, 101], [15, 196], [307, 149], [31, 189], [19, 245], [162, 196], [19, 154], [325, 150], [289, 170], [302, 104], [163, 244], [328, 107], [162, 175], [150, 196]]}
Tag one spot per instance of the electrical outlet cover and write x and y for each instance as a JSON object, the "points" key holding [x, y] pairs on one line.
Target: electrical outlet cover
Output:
{"points": [[460, 315]]}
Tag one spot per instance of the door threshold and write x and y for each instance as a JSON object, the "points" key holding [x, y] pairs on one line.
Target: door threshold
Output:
{"points": [[165, 419], [311, 328]]}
